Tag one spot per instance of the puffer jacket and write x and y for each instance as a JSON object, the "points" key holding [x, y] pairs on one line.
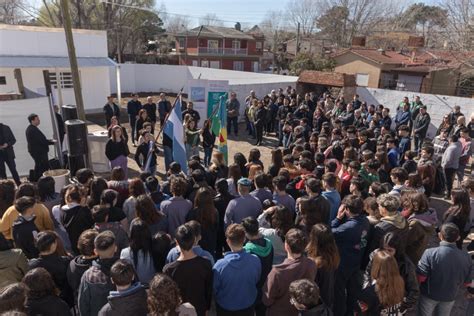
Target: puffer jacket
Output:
{"points": [[408, 272], [13, 266], [391, 223], [421, 227]]}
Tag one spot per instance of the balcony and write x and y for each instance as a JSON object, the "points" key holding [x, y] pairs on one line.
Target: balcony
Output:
{"points": [[223, 51]]}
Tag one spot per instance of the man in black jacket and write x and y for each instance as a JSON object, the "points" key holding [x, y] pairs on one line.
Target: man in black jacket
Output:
{"points": [[111, 109], [420, 127], [38, 146], [7, 154], [133, 107]]}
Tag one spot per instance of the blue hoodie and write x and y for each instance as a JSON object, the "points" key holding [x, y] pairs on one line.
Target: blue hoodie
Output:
{"points": [[334, 200], [235, 280]]}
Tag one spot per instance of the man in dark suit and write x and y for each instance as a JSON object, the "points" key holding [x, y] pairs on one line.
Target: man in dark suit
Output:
{"points": [[133, 107], [111, 109], [150, 109], [38, 146], [7, 154], [61, 127]]}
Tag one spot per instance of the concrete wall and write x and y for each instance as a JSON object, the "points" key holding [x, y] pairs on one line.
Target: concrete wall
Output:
{"points": [[351, 64], [43, 41], [438, 105], [95, 84]]}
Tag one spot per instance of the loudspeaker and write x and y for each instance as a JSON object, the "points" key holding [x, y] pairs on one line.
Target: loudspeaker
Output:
{"points": [[75, 163], [69, 112], [76, 131]]}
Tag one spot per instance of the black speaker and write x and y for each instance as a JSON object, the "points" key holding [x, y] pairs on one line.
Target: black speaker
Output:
{"points": [[76, 131], [69, 112]]}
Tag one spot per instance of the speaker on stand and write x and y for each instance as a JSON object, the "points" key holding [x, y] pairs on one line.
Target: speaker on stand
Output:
{"points": [[76, 131], [69, 112]]}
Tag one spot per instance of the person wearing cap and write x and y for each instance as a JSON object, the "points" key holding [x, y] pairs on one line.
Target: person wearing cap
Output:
{"points": [[133, 107], [243, 206], [441, 271], [420, 127]]}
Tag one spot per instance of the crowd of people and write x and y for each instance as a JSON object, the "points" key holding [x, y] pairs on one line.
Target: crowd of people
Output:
{"points": [[339, 223]]}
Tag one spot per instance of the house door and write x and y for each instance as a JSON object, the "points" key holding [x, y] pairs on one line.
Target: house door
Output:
{"points": [[195, 63], [255, 66], [215, 64], [410, 83]]}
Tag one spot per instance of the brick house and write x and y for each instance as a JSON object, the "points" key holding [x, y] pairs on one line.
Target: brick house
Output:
{"points": [[221, 48]]}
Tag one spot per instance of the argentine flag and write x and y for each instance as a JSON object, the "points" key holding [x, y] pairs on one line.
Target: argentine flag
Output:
{"points": [[175, 131]]}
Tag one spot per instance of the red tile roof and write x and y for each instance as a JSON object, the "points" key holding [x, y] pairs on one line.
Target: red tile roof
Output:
{"points": [[333, 79]]}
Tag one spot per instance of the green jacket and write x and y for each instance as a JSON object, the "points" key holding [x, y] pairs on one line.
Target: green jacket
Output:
{"points": [[13, 266]]}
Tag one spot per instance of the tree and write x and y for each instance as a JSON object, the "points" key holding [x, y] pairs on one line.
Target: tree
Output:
{"points": [[11, 11], [460, 24], [304, 61], [304, 12], [334, 24], [173, 23], [210, 19]]}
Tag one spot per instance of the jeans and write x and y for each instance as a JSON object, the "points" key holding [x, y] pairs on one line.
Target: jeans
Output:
{"points": [[346, 290], [232, 121], [449, 174], [429, 307], [460, 173], [259, 133], [418, 139], [280, 132], [168, 154], [207, 156], [11, 166], [191, 151], [133, 121]]}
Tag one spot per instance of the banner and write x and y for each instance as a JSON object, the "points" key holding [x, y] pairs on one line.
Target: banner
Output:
{"points": [[216, 89], [197, 93]]}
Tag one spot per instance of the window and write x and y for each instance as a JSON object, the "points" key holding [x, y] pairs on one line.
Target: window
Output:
{"points": [[205, 63], [236, 44], [258, 45], [239, 65], [214, 44], [215, 64], [195, 63], [182, 42], [3, 80], [362, 80], [65, 79]]}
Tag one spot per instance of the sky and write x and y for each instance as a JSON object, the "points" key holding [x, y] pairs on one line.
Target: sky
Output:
{"points": [[247, 12]]}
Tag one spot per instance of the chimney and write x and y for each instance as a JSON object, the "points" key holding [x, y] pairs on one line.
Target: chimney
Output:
{"points": [[238, 27], [358, 41], [381, 51], [416, 42]]}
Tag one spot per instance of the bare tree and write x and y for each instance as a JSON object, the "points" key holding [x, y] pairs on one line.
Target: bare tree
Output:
{"points": [[173, 23], [11, 11], [460, 26], [210, 19], [306, 13]]}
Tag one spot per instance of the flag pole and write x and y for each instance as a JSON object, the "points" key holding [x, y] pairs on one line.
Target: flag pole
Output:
{"points": [[167, 115]]}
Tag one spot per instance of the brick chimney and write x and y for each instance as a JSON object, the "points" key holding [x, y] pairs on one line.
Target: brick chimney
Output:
{"points": [[358, 41]]}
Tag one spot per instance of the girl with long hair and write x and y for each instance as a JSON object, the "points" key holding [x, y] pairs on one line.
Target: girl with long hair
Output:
{"points": [[136, 188], [458, 213], [235, 174], [114, 121], [146, 211], [322, 249], [142, 119], [164, 298], [240, 159], [254, 158], [97, 186], [191, 139], [206, 214], [139, 253], [277, 162], [384, 295], [116, 150]]}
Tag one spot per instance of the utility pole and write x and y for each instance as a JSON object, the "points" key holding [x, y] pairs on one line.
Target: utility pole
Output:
{"points": [[298, 39], [73, 60]]}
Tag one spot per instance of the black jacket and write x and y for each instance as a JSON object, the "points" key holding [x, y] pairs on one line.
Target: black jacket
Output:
{"points": [[133, 107], [208, 138], [141, 155], [150, 110], [7, 137], [38, 144], [194, 114], [61, 127], [260, 116], [421, 124], [50, 305], [76, 220], [57, 266], [75, 270], [131, 302], [24, 231], [110, 111], [115, 149]]}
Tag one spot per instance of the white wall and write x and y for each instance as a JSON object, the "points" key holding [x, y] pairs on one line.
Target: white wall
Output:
{"points": [[95, 82], [42, 41], [15, 114], [437, 105]]}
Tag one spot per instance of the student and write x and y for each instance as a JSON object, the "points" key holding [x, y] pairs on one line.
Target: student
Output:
{"points": [[100, 214], [146, 152], [174, 253], [140, 251], [146, 211], [56, 265], [280, 196], [95, 282], [398, 176], [236, 277], [41, 295], [116, 150], [24, 228], [177, 207], [14, 263], [83, 261], [404, 142], [441, 271], [295, 267], [130, 298], [450, 162], [459, 213], [350, 228], [243, 206], [393, 153], [427, 169], [135, 189], [331, 194], [13, 298], [261, 192], [221, 201], [313, 209], [192, 273], [304, 296], [155, 193], [409, 164], [262, 248]]}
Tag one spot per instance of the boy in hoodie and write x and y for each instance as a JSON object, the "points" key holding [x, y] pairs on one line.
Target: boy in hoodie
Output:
{"points": [[82, 262], [404, 143], [24, 230], [95, 282], [391, 220], [263, 249], [350, 229], [280, 196], [192, 273], [236, 276], [393, 154], [331, 194], [410, 165], [450, 163], [130, 297], [100, 215], [276, 294], [398, 176]]}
